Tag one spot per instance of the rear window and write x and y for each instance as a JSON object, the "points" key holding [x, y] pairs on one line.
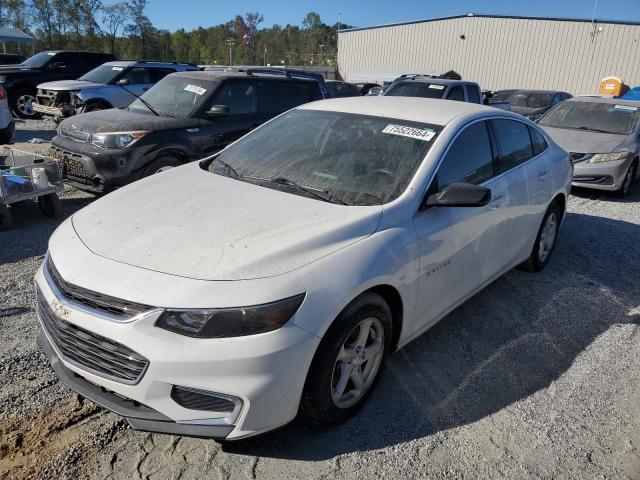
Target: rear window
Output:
{"points": [[416, 89]]}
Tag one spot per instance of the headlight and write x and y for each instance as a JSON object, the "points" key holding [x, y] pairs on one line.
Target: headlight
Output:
{"points": [[116, 139], [230, 322], [609, 157]]}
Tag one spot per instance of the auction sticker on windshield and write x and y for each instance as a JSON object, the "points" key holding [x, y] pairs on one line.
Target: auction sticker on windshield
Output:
{"points": [[195, 89], [424, 134], [436, 87], [628, 108]]}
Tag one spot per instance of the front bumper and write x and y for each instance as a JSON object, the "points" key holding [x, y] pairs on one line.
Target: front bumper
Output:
{"points": [[601, 176], [47, 110], [266, 372]]}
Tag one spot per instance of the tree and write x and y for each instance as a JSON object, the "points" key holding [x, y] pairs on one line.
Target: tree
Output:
{"points": [[311, 21], [140, 27], [114, 18]]}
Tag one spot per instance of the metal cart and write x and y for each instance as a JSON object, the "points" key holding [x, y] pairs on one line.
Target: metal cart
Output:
{"points": [[27, 176]]}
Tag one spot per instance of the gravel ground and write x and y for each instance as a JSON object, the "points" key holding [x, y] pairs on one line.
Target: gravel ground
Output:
{"points": [[538, 376]]}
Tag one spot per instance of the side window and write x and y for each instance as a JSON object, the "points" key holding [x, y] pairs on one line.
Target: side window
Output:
{"points": [[68, 60], [138, 76], [278, 97], [469, 159], [240, 97], [514, 143], [456, 93], [538, 141], [472, 94], [158, 74]]}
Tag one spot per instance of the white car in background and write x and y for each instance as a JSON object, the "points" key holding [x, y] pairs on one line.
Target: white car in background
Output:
{"points": [[217, 298], [7, 125]]}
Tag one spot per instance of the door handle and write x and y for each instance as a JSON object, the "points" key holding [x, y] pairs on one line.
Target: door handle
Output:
{"points": [[543, 175]]}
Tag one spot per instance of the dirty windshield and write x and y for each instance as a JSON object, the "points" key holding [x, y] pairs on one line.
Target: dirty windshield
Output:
{"points": [[175, 96], [102, 74], [599, 117], [342, 158]]}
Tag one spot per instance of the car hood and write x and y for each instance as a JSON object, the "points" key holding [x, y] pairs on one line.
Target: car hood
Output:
{"points": [[69, 85], [4, 69], [584, 141], [196, 224], [117, 120]]}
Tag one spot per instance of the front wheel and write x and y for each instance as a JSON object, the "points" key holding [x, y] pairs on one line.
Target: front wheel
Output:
{"points": [[627, 183], [21, 101], [545, 241], [348, 361], [161, 164]]}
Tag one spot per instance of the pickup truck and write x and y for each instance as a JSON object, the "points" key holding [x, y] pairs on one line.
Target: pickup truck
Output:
{"points": [[21, 81], [440, 87]]}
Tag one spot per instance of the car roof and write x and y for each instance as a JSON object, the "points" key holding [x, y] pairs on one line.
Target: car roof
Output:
{"points": [[213, 75], [436, 80], [530, 90], [612, 101], [414, 109]]}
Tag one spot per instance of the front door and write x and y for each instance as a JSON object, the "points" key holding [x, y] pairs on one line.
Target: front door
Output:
{"points": [[460, 247]]}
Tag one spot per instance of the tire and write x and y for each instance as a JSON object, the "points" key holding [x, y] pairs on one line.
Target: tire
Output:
{"points": [[322, 403], [627, 183], [93, 107], [49, 205], [537, 260], [19, 100], [161, 164], [6, 219]]}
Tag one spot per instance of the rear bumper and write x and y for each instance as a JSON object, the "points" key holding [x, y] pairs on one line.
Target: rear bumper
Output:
{"points": [[139, 416]]}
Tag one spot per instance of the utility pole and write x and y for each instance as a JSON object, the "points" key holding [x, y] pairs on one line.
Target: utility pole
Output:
{"points": [[231, 42]]}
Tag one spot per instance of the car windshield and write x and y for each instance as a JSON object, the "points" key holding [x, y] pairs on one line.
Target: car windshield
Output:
{"points": [[175, 96], [524, 98], [600, 117], [102, 74], [341, 157], [416, 89], [38, 60]]}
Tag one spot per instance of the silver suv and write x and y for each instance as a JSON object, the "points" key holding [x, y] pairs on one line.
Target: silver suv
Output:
{"points": [[111, 85]]}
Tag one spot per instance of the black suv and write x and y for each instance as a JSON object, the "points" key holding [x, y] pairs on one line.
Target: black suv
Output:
{"points": [[185, 116], [21, 81]]}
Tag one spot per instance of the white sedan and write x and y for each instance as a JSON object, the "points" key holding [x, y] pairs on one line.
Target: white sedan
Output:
{"points": [[218, 298]]}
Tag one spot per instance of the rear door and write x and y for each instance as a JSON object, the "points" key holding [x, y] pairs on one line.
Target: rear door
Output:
{"points": [[241, 97], [461, 248]]}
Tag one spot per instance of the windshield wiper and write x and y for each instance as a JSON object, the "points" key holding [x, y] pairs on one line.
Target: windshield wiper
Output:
{"points": [[229, 168], [323, 195], [593, 129], [146, 104]]}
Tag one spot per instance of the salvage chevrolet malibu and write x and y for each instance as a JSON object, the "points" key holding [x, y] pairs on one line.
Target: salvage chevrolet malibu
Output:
{"points": [[221, 297]]}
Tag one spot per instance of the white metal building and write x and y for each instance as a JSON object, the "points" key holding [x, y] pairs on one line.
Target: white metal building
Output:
{"points": [[498, 52]]}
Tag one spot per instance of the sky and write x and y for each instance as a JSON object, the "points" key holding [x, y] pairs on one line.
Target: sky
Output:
{"points": [[194, 13]]}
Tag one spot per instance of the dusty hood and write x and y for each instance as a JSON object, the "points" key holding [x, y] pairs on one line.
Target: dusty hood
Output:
{"points": [[584, 141], [117, 120], [196, 224], [69, 85]]}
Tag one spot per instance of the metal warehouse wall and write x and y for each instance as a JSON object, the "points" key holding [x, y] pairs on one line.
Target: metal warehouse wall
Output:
{"points": [[500, 52]]}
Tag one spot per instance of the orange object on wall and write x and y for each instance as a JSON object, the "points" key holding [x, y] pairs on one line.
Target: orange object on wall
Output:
{"points": [[611, 86]]}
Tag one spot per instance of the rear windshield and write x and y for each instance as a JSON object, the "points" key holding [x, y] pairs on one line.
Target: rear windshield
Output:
{"points": [[102, 74], [598, 117], [176, 96], [346, 158], [416, 89], [524, 98]]}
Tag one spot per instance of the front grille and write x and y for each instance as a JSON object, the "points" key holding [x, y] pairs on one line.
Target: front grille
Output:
{"points": [[97, 301], [73, 164], [102, 356], [198, 400]]}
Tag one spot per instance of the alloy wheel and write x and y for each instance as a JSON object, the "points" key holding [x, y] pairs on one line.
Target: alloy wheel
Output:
{"points": [[358, 363], [548, 237], [24, 104]]}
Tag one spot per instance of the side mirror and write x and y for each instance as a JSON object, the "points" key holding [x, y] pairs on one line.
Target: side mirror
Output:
{"points": [[123, 81], [218, 111], [460, 195]]}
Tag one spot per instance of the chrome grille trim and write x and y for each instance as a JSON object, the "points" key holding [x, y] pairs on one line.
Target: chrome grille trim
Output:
{"points": [[89, 351], [104, 305]]}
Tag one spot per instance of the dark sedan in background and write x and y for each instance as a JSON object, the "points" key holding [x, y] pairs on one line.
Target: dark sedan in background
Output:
{"points": [[530, 103]]}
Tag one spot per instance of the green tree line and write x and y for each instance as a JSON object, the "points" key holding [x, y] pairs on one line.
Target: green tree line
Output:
{"points": [[124, 29]]}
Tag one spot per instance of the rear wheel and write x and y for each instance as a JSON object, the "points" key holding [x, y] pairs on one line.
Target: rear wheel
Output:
{"points": [[6, 219], [49, 205], [545, 241], [21, 101], [160, 165], [348, 361]]}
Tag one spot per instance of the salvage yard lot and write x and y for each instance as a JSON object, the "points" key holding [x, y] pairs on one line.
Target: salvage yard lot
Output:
{"points": [[537, 376]]}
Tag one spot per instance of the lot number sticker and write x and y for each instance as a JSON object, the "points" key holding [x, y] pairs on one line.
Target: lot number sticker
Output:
{"points": [[436, 87], [195, 89], [424, 134], [626, 107]]}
